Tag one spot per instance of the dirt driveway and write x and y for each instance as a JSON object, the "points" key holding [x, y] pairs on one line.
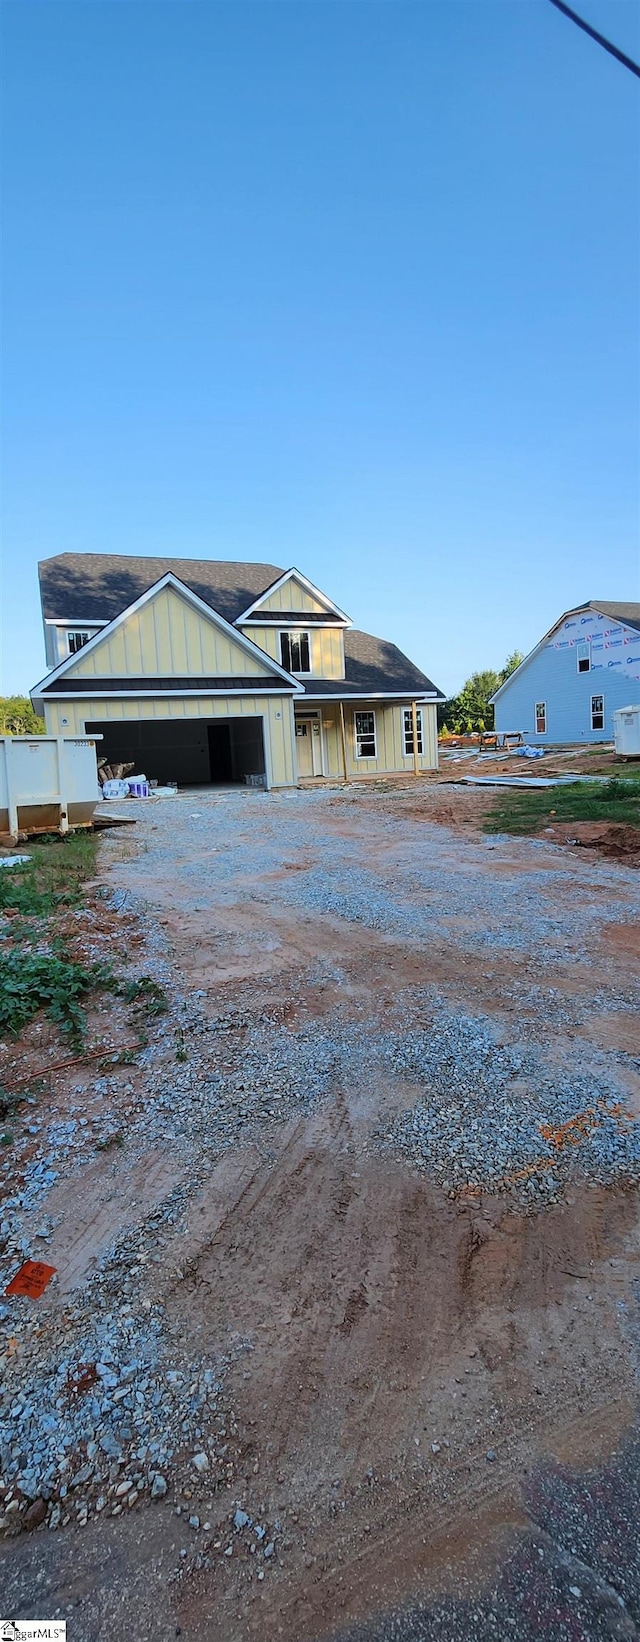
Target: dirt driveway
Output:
{"points": [[394, 1111]]}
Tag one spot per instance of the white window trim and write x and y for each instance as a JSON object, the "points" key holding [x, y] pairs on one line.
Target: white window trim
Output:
{"points": [[597, 696], [420, 727], [359, 713], [583, 644], [537, 715], [77, 632], [296, 633]]}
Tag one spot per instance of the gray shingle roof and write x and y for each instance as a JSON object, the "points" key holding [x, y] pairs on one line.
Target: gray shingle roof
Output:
{"points": [[255, 684], [374, 665], [85, 587], [77, 587], [627, 612]]}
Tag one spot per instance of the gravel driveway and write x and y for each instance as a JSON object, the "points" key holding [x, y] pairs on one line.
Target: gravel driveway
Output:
{"points": [[378, 1168]]}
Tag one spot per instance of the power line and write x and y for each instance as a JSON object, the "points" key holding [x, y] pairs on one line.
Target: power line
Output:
{"points": [[627, 61]]}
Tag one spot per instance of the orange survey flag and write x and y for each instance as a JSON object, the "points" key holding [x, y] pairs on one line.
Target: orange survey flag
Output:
{"points": [[31, 1279]]}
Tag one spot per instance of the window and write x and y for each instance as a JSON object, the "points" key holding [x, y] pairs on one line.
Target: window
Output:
{"points": [[583, 653], [76, 641], [541, 718], [597, 712], [365, 735], [294, 652], [408, 731]]}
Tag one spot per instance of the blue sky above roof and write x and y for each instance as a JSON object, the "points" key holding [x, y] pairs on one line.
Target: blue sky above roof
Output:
{"points": [[347, 286]]}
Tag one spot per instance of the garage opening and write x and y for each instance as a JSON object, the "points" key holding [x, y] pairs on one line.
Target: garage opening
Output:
{"points": [[193, 752]]}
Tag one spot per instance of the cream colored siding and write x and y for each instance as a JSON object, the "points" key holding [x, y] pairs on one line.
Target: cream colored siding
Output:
{"points": [[276, 714], [166, 636], [391, 758], [326, 646], [327, 651], [266, 638], [292, 596]]}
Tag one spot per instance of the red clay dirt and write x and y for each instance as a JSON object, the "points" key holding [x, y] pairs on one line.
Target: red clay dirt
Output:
{"points": [[396, 1337]]}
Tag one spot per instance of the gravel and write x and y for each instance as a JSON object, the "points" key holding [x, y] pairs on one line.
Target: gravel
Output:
{"points": [[102, 1410], [495, 1118]]}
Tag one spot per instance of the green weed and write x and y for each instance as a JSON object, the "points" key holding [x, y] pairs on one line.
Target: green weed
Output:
{"points": [[109, 1141], [145, 994], [8, 1101], [30, 981]]}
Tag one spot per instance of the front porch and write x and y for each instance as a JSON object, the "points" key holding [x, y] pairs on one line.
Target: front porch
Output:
{"points": [[354, 739]]}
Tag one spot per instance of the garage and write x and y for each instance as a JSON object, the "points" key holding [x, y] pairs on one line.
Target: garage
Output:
{"points": [[193, 752]]}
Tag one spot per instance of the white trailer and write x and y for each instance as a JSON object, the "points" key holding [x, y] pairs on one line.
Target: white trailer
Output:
{"points": [[626, 731], [47, 783]]}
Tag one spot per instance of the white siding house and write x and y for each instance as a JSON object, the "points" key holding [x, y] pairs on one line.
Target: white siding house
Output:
{"points": [[569, 686]]}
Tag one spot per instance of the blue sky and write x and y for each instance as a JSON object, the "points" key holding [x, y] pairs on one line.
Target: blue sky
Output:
{"points": [[350, 286]]}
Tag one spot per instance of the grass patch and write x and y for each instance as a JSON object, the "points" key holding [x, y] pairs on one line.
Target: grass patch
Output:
{"points": [[54, 877], [37, 971], [52, 981], [521, 811]]}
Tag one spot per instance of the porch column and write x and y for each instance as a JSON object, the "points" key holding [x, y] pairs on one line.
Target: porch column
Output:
{"points": [[343, 738]]}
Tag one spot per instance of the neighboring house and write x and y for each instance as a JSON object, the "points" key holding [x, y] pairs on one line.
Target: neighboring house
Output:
{"points": [[205, 671], [585, 667]]}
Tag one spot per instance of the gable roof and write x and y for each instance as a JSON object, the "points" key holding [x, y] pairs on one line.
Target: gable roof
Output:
{"points": [[316, 593], [373, 667], [88, 587], [626, 612], [58, 675], [112, 583]]}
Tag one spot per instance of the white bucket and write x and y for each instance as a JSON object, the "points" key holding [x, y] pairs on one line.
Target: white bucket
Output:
{"points": [[115, 789]]}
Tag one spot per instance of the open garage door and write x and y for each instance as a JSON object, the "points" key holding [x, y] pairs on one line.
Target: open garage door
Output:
{"points": [[193, 752]]}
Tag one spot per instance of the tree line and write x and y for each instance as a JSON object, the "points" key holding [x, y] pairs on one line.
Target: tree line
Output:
{"points": [[17, 717], [470, 711]]}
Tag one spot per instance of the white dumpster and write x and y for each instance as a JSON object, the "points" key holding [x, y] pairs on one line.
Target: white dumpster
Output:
{"points": [[626, 731], [47, 783]]}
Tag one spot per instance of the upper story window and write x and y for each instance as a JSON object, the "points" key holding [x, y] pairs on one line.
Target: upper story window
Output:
{"points": [[294, 652], [76, 640], [583, 654]]}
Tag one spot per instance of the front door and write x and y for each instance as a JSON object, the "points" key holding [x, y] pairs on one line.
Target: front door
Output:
{"points": [[308, 749]]}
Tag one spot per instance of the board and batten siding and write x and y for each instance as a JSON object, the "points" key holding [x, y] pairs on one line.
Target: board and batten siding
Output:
{"points": [[391, 757], [326, 647], [290, 597], [551, 675], [276, 712], [167, 635]]}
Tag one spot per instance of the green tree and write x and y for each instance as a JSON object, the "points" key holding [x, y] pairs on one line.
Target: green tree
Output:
{"points": [[17, 717], [470, 710], [514, 660]]}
